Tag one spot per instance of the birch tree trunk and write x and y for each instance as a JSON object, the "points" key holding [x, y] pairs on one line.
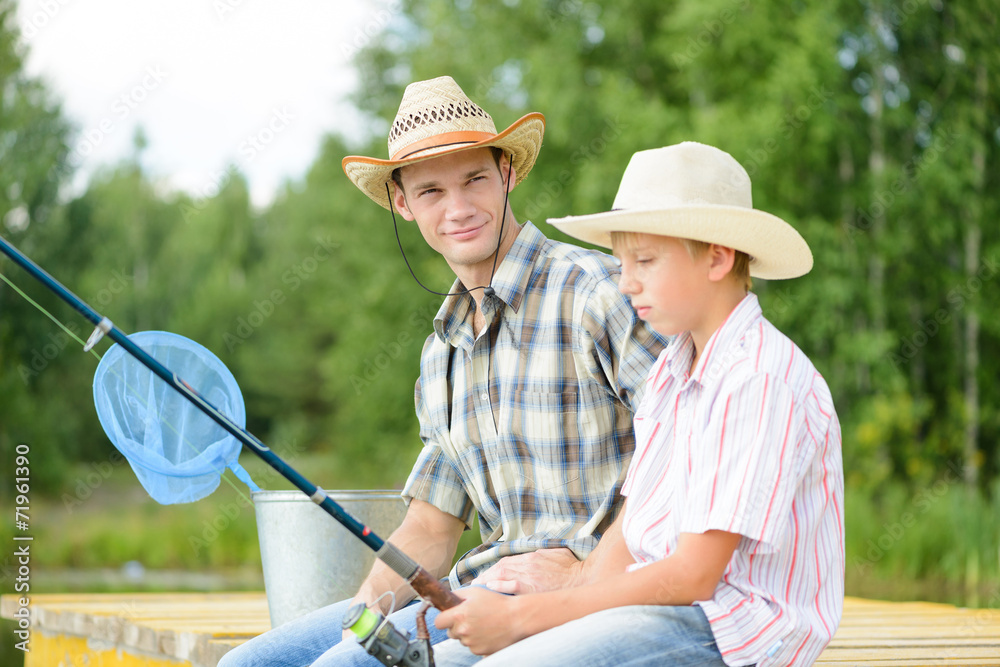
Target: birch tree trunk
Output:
{"points": [[973, 242]]}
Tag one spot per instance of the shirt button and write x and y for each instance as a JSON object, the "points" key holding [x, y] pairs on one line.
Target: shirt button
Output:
{"points": [[484, 396]]}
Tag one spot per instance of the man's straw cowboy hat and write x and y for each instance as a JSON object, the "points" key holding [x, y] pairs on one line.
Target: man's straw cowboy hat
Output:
{"points": [[697, 192], [436, 118]]}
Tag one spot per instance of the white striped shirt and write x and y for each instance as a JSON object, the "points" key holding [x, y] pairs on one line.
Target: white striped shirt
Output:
{"points": [[748, 443]]}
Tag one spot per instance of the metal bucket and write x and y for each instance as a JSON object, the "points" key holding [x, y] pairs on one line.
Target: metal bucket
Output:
{"points": [[309, 559]]}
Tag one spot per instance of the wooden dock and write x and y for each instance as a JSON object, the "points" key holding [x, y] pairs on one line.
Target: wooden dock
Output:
{"points": [[897, 634], [139, 629], [195, 630]]}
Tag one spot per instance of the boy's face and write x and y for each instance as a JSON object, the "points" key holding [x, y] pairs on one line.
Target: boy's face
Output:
{"points": [[457, 201], [668, 288]]}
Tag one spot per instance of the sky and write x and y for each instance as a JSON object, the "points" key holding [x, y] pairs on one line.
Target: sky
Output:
{"points": [[213, 83]]}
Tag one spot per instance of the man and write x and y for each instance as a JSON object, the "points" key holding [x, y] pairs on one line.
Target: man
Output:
{"points": [[527, 385]]}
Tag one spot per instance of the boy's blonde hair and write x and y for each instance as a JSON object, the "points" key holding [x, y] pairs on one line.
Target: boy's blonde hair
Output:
{"points": [[741, 264]]}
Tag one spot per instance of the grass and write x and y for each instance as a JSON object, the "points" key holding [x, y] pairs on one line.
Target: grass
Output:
{"points": [[940, 535], [105, 519]]}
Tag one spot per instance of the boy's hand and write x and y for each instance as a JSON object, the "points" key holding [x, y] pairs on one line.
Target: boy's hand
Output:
{"points": [[484, 622], [535, 572]]}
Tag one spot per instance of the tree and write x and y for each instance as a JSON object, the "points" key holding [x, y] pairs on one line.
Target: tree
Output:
{"points": [[870, 125], [33, 150], [330, 330]]}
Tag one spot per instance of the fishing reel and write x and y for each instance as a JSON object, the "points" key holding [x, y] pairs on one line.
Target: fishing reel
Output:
{"points": [[384, 642]]}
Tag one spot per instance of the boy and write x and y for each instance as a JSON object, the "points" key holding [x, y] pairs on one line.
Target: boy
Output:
{"points": [[729, 550]]}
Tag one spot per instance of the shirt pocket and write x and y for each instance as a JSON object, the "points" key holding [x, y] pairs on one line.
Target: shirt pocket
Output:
{"points": [[545, 420], [567, 430]]}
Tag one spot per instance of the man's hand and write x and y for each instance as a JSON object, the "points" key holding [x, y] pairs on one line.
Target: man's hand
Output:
{"points": [[535, 572], [485, 622], [427, 535]]}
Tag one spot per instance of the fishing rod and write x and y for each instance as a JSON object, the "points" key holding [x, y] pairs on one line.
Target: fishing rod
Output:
{"points": [[425, 584]]}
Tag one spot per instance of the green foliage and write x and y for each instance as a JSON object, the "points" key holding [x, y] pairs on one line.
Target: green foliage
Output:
{"points": [[938, 531], [33, 151], [870, 126], [33, 134]]}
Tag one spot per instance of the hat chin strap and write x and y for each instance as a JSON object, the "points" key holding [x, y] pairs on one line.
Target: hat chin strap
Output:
{"points": [[487, 289]]}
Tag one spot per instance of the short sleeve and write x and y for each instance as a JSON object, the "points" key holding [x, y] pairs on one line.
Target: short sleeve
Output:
{"points": [[434, 478], [747, 467]]}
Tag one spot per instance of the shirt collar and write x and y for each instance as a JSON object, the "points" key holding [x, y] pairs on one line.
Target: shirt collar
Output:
{"points": [[722, 349], [510, 282]]}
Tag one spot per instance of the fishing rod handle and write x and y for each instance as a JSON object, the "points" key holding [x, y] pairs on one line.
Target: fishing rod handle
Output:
{"points": [[431, 589], [423, 582]]}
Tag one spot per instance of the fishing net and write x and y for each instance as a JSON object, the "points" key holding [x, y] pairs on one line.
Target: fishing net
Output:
{"points": [[178, 452]]}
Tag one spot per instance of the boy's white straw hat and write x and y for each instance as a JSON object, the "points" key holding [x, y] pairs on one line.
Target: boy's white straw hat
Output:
{"points": [[697, 192], [436, 118]]}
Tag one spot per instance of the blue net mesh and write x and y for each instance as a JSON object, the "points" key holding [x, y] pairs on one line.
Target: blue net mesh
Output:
{"points": [[178, 452]]}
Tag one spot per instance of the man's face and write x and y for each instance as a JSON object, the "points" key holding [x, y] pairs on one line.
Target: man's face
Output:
{"points": [[457, 201]]}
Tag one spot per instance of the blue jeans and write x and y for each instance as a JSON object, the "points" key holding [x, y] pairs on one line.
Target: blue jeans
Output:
{"points": [[314, 639], [635, 636]]}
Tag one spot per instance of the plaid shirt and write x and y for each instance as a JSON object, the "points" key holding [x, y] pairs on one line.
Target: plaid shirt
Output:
{"points": [[530, 424]]}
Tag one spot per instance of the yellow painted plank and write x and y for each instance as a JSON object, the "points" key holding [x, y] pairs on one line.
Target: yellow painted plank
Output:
{"points": [[911, 653], [903, 632], [891, 642], [889, 619], [908, 640], [49, 650], [170, 627]]}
